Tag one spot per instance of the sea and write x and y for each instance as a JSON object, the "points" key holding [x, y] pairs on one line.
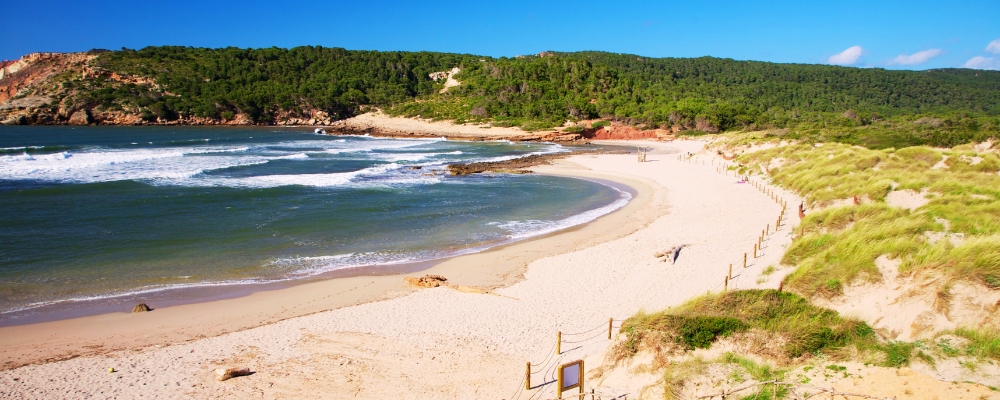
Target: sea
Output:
{"points": [[96, 219]]}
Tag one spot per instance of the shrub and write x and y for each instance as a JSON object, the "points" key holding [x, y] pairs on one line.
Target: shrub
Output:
{"points": [[535, 125], [700, 332], [806, 328]]}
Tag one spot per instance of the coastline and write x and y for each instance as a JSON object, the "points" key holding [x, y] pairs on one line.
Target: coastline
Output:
{"points": [[428, 343], [493, 268]]}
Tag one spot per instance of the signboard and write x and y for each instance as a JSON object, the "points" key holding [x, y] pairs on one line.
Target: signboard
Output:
{"points": [[570, 376]]}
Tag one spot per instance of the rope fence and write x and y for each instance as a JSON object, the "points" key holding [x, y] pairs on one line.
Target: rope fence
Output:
{"points": [[541, 375], [749, 259], [546, 369]]}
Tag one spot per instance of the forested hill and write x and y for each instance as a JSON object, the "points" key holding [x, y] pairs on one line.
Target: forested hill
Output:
{"points": [[265, 85]]}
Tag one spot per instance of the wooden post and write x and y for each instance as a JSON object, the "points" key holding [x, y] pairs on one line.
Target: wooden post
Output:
{"points": [[725, 287], [768, 230], [744, 260], [755, 251], [730, 271], [559, 343], [609, 327], [527, 377]]}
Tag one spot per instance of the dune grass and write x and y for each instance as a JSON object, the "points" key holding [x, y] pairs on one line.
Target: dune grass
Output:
{"points": [[983, 343], [802, 327], [837, 246], [801, 330]]}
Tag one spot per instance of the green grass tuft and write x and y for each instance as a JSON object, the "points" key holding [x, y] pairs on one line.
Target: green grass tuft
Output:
{"points": [[805, 328]]}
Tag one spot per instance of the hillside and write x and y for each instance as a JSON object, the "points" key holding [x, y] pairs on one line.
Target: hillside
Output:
{"points": [[316, 85]]}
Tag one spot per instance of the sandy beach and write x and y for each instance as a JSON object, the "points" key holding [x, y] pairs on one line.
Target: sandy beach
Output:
{"points": [[375, 337], [385, 340], [379, 124]]}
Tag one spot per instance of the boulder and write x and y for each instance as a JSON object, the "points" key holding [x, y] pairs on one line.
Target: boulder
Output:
{"points": [[81, 117], [427, 281], [141, 307]]}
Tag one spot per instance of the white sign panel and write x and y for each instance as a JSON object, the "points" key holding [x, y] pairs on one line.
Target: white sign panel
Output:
{"points": [[571, 376]]}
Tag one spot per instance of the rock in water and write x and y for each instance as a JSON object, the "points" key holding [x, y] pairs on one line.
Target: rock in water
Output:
{"points": [[229, 373], [427, 281], [141, 307]]}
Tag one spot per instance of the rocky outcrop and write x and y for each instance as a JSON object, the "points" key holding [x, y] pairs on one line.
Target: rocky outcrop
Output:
{"points": [[141, 307], [17, 76], [517, 165], [617, 131], [448, 76], [81, 117]]}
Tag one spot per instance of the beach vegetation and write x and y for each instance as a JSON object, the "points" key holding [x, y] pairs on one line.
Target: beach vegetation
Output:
{"points": [[768, 333], [857, 230], [956, 194], [870, 107], [801, 328], [981, 342]]}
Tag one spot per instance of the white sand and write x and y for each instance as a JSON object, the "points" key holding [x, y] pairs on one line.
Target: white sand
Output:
{"points": [[384, 125], [441, 343]]}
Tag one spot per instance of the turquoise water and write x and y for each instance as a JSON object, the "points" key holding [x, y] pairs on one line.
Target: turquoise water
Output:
{"points": [[110, 215]]}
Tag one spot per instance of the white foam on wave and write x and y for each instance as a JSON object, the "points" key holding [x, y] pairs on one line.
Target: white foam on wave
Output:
{"points": [[554, 148], [116, 165], [296, 156], [314, 180], [519, 230]]}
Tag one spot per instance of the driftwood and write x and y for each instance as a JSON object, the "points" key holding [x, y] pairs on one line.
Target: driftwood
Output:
{"points": [[229, 373], [427, 281], [670, 254]]}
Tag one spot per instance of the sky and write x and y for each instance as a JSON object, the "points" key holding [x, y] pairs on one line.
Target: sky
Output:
{"points": [[913, 34]]}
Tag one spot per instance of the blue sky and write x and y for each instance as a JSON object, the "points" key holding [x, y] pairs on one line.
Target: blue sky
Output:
{"points": [[894, 34]]}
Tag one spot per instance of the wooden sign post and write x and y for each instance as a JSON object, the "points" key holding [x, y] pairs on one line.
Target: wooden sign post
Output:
{"points": [[527, 377], [570, 376]]}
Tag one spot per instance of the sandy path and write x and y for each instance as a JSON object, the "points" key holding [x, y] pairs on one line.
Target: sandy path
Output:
{"points": [[440, 343]]}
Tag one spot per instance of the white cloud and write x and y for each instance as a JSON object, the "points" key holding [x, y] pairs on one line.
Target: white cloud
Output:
{"points": [[980, 62], [846, 57], [994, 47], [919, 57]]}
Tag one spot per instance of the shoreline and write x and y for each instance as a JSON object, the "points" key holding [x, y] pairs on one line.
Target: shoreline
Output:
{"points": [[436, 342], [206, 292], [46, 341]]}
